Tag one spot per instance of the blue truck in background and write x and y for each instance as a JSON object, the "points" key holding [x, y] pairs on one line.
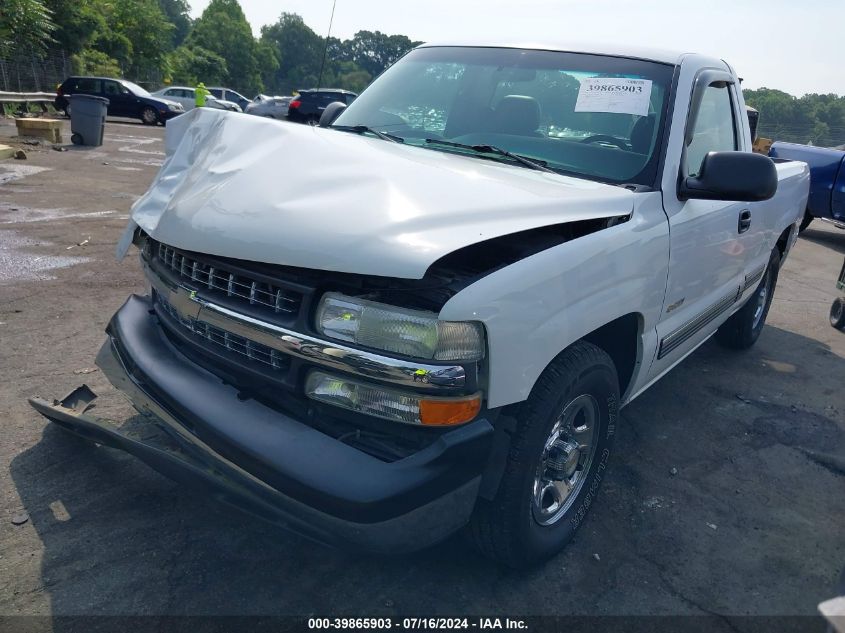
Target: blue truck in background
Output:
{"points": [[827, 180]]}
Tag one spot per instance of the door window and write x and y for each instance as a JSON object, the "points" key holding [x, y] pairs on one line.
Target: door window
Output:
{"points": [[88, 85], [715, 128], [112, 89]]}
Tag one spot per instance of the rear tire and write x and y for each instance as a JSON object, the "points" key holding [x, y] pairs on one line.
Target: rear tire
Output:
{"points": [[837, 313], [743, 328], [556, 462], [805, 221], [76, 139]]}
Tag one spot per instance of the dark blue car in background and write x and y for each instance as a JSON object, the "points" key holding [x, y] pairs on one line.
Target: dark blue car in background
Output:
{"points": [[827, 180], [125, 99]]}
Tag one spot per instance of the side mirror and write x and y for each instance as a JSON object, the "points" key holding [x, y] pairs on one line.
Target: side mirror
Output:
{"points": [[331, 112], [735, 176]]}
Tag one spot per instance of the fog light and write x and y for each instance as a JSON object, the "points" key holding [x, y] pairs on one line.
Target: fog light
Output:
{"points": [[393, 405]]}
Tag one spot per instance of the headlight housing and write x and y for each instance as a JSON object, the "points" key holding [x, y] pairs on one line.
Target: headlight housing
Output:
{"points": [[414, 333], [378, 401]]}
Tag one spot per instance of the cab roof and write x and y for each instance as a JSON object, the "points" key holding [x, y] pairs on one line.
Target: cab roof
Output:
{"points": [[659, 55]]}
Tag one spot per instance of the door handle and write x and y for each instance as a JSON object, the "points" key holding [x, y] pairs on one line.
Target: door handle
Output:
{"points": [[744, 221]]}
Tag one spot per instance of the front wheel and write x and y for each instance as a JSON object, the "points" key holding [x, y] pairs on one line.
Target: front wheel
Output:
{"points": [[557, 459], [837, 313], [149, 116], [743, 328]]}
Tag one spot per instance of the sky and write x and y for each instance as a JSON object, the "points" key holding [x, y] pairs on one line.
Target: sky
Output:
{"points": [[796, 46]]}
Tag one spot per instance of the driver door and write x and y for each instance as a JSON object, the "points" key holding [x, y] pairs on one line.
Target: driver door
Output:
{"points": [[119, 98], [709, 247]]}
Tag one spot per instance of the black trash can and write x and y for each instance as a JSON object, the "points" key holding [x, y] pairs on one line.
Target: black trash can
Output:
{"points": [[87, 119]]}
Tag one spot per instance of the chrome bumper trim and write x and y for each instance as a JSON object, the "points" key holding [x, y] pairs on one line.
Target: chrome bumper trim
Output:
{"points": [[189, 304]]}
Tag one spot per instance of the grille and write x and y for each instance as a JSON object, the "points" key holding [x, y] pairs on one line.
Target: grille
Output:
{"points": [[232, 342], [219, 279]]}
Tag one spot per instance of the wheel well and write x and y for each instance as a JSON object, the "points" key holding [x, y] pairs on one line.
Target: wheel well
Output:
{"points": [[783, 240], [620, 339]]}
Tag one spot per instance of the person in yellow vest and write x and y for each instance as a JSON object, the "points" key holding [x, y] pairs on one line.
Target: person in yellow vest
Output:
{"points": [[200, 93]]}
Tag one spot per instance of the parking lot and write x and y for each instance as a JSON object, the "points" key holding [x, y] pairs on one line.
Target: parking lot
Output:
{"points": [[726, 494]]}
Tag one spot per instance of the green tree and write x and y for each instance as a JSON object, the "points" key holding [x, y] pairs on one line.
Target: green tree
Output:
{"points": [[268, 63], [374, 51], [177, 13], [222, 29], [814, 118], [76, 23], [192, 64], [346, 75], [298, 49], [25, 24], [148, 32], [94, 62]]}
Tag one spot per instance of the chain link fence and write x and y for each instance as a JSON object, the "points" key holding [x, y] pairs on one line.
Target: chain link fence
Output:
{"points": [[28, 72], [819, 135]]}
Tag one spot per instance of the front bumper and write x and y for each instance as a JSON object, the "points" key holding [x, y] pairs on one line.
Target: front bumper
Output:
{"points": [[267, 462]]}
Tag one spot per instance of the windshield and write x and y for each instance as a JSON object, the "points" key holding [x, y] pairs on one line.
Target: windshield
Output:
{"points": [[586, 115], [135, 89]]}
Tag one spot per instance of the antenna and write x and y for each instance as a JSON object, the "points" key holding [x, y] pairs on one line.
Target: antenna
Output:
{"points": [[326, 49]]}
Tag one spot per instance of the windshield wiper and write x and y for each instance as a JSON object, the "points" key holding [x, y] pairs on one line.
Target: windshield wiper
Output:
{"points": [[491, 149], [361, 129]]}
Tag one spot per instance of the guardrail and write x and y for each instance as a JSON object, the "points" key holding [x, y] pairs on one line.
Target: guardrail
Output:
{"points": [[27, 97]]}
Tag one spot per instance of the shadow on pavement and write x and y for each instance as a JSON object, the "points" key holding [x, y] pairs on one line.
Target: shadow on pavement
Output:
{"points": [[718, 499], [835, 241]]}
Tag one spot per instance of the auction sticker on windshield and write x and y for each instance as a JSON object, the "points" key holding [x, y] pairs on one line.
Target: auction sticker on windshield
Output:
{"points": [[614, 94]]}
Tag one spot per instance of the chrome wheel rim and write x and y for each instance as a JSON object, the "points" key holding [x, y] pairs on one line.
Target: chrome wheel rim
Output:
{"points": [[762, 295], [149, 116], [567, 455]]}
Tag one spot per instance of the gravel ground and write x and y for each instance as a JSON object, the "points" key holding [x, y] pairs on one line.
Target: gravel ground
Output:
{"points": [[726, 494]]}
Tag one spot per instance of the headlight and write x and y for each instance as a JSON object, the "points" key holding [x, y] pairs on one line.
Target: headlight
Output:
{"points": [[414, 333], [410, 408]]}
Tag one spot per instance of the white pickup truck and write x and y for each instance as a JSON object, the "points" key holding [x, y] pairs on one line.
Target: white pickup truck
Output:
{"points": [[425, 314]]}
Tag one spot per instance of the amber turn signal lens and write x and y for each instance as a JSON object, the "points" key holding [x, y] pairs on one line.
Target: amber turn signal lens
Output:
{"points": [[447, 412]]}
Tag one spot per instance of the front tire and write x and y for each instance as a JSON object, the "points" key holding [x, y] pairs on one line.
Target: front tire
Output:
{"points": [[837, 313], [743, 328], [149, 116], [556, 462]]}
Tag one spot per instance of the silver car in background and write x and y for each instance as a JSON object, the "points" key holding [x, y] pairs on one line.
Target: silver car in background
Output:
{"points": [[185, 96], [272, 107]]}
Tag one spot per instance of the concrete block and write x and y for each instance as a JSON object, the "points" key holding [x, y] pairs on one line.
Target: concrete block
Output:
{"points": [[49, 129], [6, 151]]}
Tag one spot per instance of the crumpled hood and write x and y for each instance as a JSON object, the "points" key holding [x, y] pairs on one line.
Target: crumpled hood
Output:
{"points": [[282, 193]]}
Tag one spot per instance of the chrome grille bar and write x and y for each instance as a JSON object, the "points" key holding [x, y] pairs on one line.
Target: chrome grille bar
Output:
{"points": [[251, 290], [232, 342]]}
